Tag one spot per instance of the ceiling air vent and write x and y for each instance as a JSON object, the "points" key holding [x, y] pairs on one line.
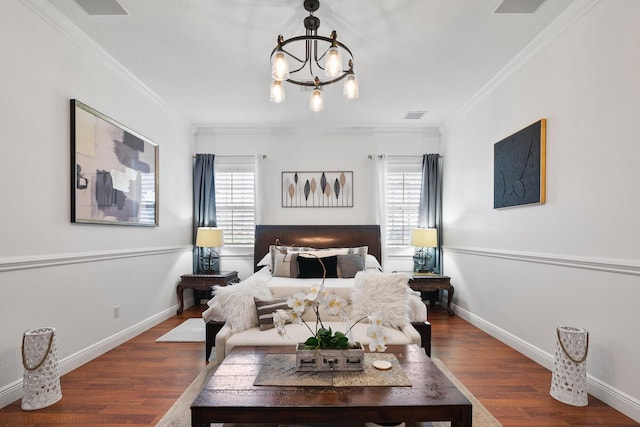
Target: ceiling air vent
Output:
{"points": [[518, 6], [102, 7], [413, 115]]}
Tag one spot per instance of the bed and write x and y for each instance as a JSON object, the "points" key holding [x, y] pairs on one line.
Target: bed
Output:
{"points": [[318, 237]]}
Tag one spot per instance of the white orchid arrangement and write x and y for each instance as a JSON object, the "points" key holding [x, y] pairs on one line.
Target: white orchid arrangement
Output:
{"points": [[325, 338]]}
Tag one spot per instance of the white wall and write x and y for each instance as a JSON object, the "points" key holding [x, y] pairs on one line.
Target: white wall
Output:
{"points": [[520, 272], [70, 276], [346, 149]]}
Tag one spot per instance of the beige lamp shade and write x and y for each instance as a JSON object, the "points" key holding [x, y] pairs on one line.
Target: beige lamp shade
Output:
{"points": [[424, 237], [209, 237]]}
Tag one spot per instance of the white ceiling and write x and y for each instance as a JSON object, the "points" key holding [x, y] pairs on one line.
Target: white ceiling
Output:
{"points": [[209, 59]]}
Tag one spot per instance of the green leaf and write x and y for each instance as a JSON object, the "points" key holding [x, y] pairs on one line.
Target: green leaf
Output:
{"points": [[343, 342], [311, 342], [324, 333]]}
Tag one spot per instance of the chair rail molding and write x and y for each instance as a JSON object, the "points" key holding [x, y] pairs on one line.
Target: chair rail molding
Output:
{"points": [[51, 260], [619, 266]]}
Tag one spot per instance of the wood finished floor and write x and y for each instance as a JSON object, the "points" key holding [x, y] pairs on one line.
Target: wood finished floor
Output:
{"points": [[137, 382]]}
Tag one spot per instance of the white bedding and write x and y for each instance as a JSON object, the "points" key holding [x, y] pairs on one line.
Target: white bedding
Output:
{"points": [[282, 287], [286, 286]]}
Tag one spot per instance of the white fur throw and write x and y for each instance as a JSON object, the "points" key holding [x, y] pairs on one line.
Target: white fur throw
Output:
{"points": [[386, 293], [236, 303]]}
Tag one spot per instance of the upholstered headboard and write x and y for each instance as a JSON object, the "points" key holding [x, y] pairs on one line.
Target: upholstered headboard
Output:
{"points": [[317, 236]]}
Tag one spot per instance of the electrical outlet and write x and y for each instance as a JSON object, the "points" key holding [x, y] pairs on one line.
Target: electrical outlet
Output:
{"points": [[116, 312]]}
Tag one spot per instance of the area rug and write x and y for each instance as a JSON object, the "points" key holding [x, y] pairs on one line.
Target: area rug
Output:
{"points": [[180, 413], [191, 330], [481, 415]]}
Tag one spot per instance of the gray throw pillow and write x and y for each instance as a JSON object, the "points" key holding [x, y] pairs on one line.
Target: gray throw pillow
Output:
{"points": [[349, 265]]}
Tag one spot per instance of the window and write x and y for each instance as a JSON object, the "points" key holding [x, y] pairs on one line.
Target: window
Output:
{"points": [[403, 185], [236, 199]]}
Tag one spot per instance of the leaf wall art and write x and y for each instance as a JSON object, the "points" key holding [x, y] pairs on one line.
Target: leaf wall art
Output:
{"points": [[322, 189]]}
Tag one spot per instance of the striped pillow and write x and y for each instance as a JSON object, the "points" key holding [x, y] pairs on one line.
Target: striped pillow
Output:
{"points": [[266, 309]]}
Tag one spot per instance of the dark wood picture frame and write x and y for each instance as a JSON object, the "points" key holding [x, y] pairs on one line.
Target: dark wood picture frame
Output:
{"points": [[519, 167], [114, 171]]}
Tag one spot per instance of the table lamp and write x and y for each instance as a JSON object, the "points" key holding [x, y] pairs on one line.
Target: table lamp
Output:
{"points": [[423, 238], [209, 238]]}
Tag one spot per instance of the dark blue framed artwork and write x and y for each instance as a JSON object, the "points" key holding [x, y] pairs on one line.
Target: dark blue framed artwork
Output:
{"points": [[519, 167]]}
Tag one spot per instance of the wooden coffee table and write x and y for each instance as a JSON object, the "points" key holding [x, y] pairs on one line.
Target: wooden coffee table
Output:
{"points": [[231, 397]]}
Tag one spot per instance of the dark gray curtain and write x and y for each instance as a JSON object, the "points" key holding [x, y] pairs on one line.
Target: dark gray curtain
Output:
{"points": [[204, 201], [430, 213]]}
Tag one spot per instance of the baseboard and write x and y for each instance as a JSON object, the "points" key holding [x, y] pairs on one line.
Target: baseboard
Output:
{"points": [[613, 397], [13, 391]]}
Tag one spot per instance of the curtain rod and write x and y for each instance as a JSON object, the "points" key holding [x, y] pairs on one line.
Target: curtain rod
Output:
{"points": [[264, 156], [381, 156]]}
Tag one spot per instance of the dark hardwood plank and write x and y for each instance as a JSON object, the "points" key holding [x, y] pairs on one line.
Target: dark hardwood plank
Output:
{"points": [[137, 382]]}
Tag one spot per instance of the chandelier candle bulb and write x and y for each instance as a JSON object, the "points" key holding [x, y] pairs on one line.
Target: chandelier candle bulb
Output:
{"points": [[350, 87], [333, 65], [317, 103], [277, 92], [280, 67]]}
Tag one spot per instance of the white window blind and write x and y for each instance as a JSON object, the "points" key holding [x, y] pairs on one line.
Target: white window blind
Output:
{"points": [[403, 185], [236, 199]]}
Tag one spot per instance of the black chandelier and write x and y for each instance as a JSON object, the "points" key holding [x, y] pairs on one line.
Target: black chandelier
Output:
{"points": [[316, 49]]}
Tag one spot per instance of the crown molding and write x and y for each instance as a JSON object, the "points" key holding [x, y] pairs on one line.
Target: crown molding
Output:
{"points": [[571, 15], [68, 29], [340, 131]]}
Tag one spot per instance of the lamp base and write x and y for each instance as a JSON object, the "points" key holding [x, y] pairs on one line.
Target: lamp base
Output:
{"points": [[209, 264], [421, 260]]}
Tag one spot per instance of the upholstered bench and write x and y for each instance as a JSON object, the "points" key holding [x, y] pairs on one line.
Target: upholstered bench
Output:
{"points": [[213, 327]]}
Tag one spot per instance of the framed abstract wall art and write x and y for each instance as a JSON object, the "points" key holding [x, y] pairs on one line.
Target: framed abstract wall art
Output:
{"points": [[323, 189], [114, 171], [519, 167]]}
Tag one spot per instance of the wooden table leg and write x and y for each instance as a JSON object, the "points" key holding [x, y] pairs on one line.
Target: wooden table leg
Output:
{"points": [[211, 330], [180, 291], [196, 418], [424, 329], [449, 298]]}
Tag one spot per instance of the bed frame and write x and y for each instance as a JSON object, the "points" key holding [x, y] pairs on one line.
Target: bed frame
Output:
{"points": [[317, 236]]}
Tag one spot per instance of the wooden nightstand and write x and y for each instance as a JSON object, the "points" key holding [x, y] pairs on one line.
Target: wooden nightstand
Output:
{"points": [[431, 282], [204, 282]]}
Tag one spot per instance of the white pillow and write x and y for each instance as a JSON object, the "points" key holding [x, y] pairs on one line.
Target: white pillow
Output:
{"points": [[319, 253], [236, 303], [386, 293], [372, 262], [275, 250], [286, 266], [266, 260]]}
